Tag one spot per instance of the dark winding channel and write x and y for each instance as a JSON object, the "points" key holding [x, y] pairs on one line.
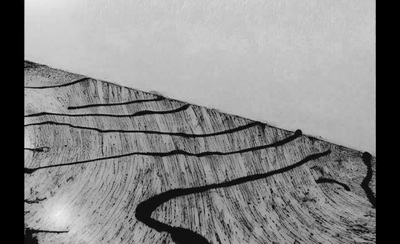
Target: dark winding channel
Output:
{"points": [[37, 200], [365, 183], [180, 235], [180, 134], [297, 134], [30, 239], [325, 180], [38, 149], [61, 85], [140, 113], [115, 104]]}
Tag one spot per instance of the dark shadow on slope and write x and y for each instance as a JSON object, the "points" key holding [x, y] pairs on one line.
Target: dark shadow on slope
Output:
{"points": [[365, 183], [325, 180], [29, 238]]}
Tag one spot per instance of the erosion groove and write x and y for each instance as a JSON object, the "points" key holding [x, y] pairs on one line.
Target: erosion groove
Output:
{"points": [[97, 171], [47, 231], [56, 86], [35, 201], [365, 183], [30, 239], [325, 180], [180, 235], [140, 113], [38, 149], [185, 135], [172, 153], [114, 104]]}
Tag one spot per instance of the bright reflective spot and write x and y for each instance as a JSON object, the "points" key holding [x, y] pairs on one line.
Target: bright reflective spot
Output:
{"points": [[60, 217]]}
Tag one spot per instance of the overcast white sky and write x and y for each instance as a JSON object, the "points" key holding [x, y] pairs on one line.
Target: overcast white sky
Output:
{"points": [[304, 64]]}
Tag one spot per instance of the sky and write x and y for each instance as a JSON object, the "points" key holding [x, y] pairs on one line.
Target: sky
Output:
{"points": [[306, 64]]}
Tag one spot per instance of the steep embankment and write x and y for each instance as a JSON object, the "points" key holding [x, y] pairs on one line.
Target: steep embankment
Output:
{"points": [[110, 164]]}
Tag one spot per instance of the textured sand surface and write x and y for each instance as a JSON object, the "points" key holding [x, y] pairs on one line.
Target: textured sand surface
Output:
{"points": [[95, 150]]}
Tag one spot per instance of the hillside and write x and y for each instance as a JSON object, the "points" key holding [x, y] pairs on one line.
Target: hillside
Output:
{"points": [[110, 164]]}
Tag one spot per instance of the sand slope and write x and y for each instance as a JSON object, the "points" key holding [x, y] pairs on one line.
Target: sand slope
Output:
{"points": [[95, 150]]}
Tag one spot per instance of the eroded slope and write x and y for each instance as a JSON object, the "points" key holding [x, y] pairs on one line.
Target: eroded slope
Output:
{"points": [[95, 151]]}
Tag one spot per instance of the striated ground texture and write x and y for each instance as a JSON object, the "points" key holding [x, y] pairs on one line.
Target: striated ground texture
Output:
{"points": [[110, 164]]}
